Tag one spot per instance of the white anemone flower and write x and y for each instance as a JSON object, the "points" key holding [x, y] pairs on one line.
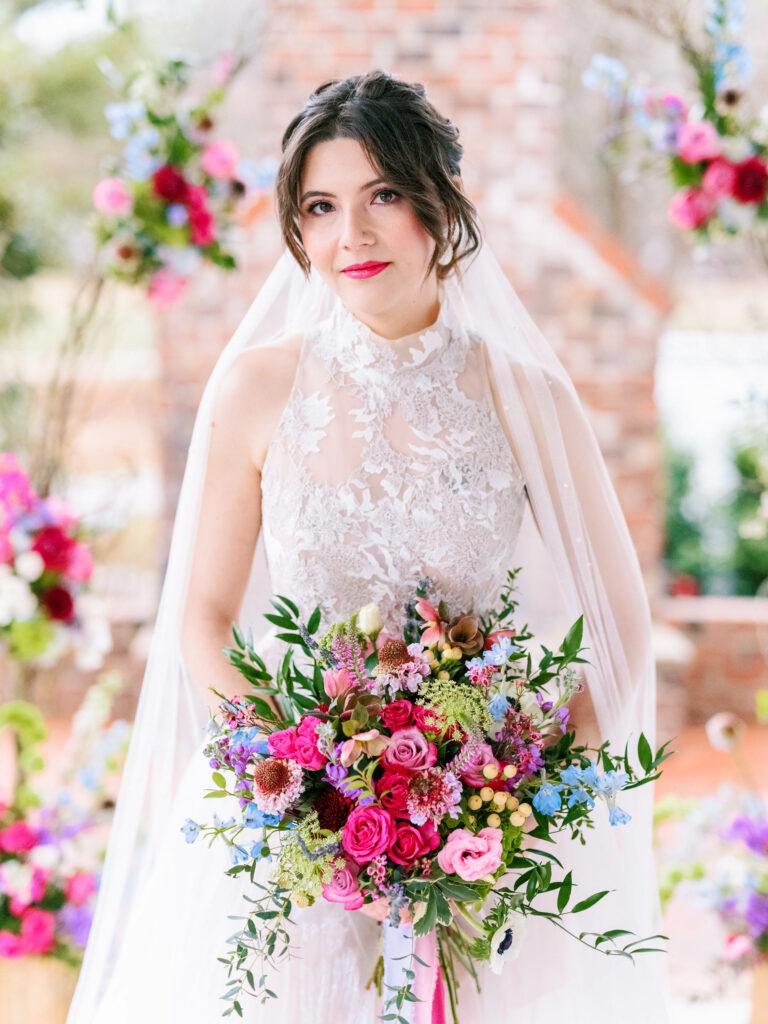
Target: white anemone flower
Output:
{"points": [[507, 941]]}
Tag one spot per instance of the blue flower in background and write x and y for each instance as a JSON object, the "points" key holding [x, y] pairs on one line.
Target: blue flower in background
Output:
{"points": [[139, 162], [238, 854], [547, 799], [176, 215], [191, 830], [254, 817], [610, 783], [89, 777], [256, 851], [122, 116], [618, 816], [219, 823], [497, 707], [77, 921], [605, 74]]}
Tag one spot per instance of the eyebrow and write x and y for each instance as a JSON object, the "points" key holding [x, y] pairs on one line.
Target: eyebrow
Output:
{"points": [[368, 184]]}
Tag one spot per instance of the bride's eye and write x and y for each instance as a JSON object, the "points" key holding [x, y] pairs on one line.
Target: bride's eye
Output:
{"points": [[387, 192], [320, 202]]}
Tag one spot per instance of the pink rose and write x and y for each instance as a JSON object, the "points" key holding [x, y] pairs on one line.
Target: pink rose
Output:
{"points": [[165, 288], [283, 744], [306, 752], [80, 567], [344, 887], [220, 159], [409, 751], [113, 196], [18, 838], [412, 841], [719, 179], [690, 208], [472, 773], [367, 833], [696, 141], [736, 946], [37, 930], [397, 715], [80, 887], [337, 682], [392, 790], [470, 857], [11, 945]]}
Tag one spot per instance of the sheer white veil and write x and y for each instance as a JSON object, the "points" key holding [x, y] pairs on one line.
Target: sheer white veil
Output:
{"points": [[582, 533]]}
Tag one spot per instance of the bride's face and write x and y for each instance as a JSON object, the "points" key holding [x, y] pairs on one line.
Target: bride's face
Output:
{"points": [[365, 241]]}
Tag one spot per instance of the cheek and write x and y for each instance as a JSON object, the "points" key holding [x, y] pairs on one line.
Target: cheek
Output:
{"points": [[412, 236]]}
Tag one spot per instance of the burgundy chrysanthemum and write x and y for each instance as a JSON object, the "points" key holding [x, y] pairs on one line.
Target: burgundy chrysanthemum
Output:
{"points": [[58, 602], [751, 185], [333, 809]]}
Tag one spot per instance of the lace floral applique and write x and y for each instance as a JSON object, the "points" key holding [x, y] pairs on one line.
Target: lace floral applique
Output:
{"points": [[304, 420]]}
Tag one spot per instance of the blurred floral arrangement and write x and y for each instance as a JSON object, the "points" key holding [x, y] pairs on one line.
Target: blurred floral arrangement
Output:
{"points": [[51, 854], [45, 605], [721, 861], [172, 200], [714, 148]]}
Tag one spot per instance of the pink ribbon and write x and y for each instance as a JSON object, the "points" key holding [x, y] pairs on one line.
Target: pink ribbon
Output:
{"points": [[428, 983]]}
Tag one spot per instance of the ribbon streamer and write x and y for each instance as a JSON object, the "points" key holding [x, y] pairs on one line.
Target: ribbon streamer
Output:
{"points": [[428, 982]]}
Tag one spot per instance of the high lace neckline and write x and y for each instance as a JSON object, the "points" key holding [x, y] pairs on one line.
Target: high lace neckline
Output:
{"points": [[357, 345]]}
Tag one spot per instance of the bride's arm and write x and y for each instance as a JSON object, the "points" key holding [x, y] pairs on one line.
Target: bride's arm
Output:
{"points": [[247, 407]]}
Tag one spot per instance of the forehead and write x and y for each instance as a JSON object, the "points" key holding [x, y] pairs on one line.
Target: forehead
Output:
{"points": [[337, 164]]}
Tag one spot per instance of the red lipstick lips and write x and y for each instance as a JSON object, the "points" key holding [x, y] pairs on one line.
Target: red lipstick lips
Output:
{"points": [[361, 270]]}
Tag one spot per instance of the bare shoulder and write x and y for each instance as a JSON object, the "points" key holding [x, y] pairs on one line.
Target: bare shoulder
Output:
{"points": [[253, 392]]}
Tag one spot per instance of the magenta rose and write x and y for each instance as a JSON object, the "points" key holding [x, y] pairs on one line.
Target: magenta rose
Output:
{"points": [[367, 833], [408, 751], [283, 743], [80, 887], [696, 141], [37, 930], [719, 179], [397, 715], [18, 838], [470, 857], [413, 841], [472, 772], [690, 208], [306, 752], [392, 790], [54, 547], [344, 887]]}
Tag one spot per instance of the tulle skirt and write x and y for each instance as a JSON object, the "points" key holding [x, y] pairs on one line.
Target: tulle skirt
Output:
{"points": [[180, 923]]}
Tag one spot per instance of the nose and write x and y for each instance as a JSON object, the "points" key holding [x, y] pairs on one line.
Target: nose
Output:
{"points": [[354, 229]]}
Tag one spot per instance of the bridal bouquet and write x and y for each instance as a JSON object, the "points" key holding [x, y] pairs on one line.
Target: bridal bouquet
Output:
{"points": [[413, 769]]}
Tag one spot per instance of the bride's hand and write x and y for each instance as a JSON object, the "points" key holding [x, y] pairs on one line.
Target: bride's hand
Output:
{"points": [[380, 910]]}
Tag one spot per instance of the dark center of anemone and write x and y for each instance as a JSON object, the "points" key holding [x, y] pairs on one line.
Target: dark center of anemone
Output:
{"points": [[271, 775]]}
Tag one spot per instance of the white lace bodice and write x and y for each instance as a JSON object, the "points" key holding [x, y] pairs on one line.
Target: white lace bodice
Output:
{"points": [[389, 464]]}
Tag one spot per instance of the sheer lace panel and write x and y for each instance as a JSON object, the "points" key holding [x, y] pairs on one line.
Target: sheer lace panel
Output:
{"points": [[389, 464]]}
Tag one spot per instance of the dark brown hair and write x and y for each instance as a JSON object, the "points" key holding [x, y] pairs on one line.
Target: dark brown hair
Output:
{"points": [[408, 143]]}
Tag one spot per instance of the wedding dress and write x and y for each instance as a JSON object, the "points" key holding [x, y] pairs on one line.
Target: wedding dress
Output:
{"points": [[389, 464]]}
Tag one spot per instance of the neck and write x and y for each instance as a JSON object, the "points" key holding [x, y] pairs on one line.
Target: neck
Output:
{"points": [[405, 319]]}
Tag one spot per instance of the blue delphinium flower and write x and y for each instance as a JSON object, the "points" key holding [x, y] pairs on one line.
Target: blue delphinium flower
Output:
{"points": [[500, 652], [618, 816], [573, 774], [257, 851], [477, 663], [547, 799], [254, 817], [610, 783], [605, 74], [238, 854], [579, 795], [191, 830], [219, 823], [497, 707], [121, 117]]}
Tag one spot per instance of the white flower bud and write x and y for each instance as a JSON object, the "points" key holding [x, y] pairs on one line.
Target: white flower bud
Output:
{"points": [[370, 621], [29, 565]]}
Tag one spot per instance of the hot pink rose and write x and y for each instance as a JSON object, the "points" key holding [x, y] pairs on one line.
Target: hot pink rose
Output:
{"points": [[413, 841], [397, 715], [367, 833], [344, 887], [337, 681], [696, 141], [220, 159], [80, 567], [37, 930], [165, 288], [392, 790], [113, 196], [409, 751], [11, 945], [80, 887], [472, 773], [306, 752], [719, 179], [283, 743], [690, 208], [470, 857], [18, 837]]}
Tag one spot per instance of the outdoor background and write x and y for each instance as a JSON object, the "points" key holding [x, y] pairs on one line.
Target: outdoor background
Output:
{"points": [[667, 342]]}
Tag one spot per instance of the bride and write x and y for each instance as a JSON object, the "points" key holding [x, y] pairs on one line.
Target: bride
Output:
{"points": [[386, 411]]}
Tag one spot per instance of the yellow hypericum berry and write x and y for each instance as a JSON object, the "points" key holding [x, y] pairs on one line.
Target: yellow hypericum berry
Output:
{"points": [[443, 675], [494, 820], [474, 803], [509, 771], [301, 900], [486, 793], [500, 799], [512, 803], [517, 819], [525, 810], [456, 652], [490, 771], [472, 819]]}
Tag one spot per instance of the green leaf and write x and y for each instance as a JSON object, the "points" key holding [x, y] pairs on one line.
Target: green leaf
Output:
{"points": [[565, 892], [238, 635], [214, 794], [590, 901], [314, 621], [219, 780], [280, 620], [645, 753], [288, 603]]}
